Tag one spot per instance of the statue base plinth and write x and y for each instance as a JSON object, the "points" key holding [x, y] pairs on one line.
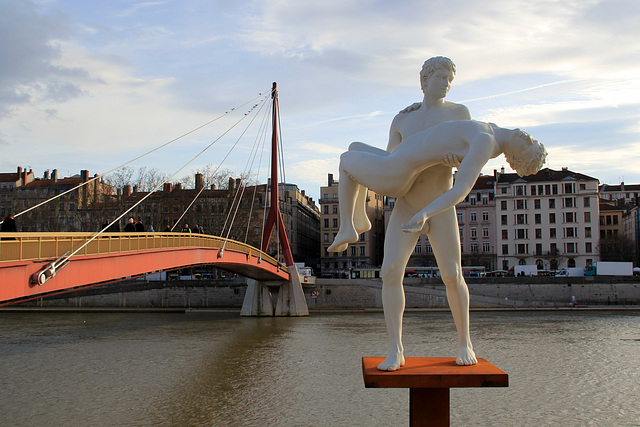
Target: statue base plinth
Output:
{"points": [[429, 380]]}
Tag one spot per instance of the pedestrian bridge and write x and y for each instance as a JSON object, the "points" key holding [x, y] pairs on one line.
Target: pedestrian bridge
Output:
{"points": [[33, 265]]}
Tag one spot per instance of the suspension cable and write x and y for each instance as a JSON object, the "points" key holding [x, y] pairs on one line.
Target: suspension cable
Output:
{"points": [[67, 257], [137, 158], [240, 191], [262, 104]]}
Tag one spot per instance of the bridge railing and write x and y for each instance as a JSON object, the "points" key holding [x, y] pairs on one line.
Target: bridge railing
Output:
{"points": [[43, 246]]}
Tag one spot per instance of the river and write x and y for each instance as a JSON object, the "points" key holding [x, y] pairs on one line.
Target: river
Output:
{"points": [[569, 368]]}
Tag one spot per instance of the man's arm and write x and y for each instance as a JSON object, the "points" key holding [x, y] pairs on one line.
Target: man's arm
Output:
{"points": [[395, 137]]}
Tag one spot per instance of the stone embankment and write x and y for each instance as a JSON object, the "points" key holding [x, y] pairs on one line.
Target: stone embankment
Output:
{"points": [[360, 294]]}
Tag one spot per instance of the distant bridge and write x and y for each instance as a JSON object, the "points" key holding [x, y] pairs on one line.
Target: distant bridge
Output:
{"points": [[25, 259]]}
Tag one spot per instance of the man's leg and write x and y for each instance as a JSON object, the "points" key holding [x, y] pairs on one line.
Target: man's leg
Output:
{"points": [[398, 247], [444, 237]]}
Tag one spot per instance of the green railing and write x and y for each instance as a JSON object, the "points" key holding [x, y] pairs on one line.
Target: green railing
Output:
{"points": [[35, 246]]}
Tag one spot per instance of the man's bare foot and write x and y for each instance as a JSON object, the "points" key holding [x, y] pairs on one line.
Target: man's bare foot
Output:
{"points": [[466, 356], [392, 363], [342, 240]]}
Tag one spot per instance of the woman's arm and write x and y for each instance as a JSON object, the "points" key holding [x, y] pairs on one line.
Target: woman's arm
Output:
{"points": [[479, 153]]}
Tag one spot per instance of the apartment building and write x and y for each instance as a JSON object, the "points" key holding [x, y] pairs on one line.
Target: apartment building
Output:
{"points": [[367, 251], [8, 183], [550, 219]]}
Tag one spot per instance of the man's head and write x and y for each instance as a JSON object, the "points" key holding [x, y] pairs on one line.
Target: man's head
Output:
{"points": [[432, 65]]}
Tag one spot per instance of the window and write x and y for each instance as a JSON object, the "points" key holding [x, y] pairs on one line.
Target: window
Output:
{"points": [[552, 233], [418, 249], [522, 248], [326, 223], [363, 251], [570, 247], [521, 204], [472, 200], [538, 249], [569, 217], [335, 209], [569, 232], [485, 232], [587, 247], [552, 218], [505, 234], [459, 217], [474, 247], [533, 190], [474, 232], [587, 202], [504, 220], [587, 232], [503, 205], [335, 222], [362, 237], [326, 237], [474, 217], [486, 247], [485, 216], [553, 248], [505, 249], [521, 190], [569, 202], [554, 189], [587, 217], [538, 218], [538, 233], [522, 233], [569, 188], [504, 190], [552, 203], [485, 199], [521, 219], [536, 204], [354, 251]]}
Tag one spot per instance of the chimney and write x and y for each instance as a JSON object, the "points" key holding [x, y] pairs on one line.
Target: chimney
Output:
{"points": [[54, 175], [213, 186], [84, 175], [199, 181], [231, 184], [302, 192], [330, 179], [179, 186], [46, 174], [126, 190], [135, 188], [238, 181], [24, 177], [502, 169], [167, 187]]}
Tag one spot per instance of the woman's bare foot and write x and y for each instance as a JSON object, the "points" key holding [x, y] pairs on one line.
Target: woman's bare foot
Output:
{"points": [[342, 240], [393, 362], [466, 355]]}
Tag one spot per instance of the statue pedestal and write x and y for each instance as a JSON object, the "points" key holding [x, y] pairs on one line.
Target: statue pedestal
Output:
{"points": [[429, 380]]}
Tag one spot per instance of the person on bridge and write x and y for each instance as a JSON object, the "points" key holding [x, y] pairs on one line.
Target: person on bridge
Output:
{"points": [[9, 226], [186, 228], [131, 226], [139, 226]]}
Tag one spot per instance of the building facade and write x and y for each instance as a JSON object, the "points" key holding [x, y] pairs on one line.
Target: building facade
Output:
{"points": [[367, 251], [550, 219]]}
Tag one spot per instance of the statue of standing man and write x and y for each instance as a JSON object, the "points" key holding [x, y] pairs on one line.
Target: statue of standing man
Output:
{"points": [[442, 229]]}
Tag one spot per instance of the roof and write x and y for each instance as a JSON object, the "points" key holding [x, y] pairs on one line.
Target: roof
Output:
{"points": [[9, 177], [543, 175]]}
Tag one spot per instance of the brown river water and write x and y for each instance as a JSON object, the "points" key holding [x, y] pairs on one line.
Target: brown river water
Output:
{"points": [[568, 368]]}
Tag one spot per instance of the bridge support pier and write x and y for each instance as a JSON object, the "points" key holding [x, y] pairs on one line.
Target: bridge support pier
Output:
{"points": [[291, 300]]}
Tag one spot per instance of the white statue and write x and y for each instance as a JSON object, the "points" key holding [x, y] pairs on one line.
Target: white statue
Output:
{"points": [[394, 174], [427, 185]]}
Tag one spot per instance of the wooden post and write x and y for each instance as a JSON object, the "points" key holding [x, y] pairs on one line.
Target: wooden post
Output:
{"points": [[429, 380]]}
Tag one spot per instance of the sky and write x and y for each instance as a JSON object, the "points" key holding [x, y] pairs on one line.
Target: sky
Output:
{"points": [[92, 85]]}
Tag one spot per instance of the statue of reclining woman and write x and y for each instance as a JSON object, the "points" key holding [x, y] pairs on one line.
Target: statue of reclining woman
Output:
{"points": [[393, 174]]}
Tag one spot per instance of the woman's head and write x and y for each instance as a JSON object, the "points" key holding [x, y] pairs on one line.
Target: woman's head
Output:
{"points": [[525, 155]]}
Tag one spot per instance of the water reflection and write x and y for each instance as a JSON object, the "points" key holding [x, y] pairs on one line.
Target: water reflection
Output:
{"points": [[568, 368]]}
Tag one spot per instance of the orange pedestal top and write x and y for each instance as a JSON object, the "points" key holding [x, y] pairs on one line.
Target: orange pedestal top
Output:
{"points": [[433, 372]]}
